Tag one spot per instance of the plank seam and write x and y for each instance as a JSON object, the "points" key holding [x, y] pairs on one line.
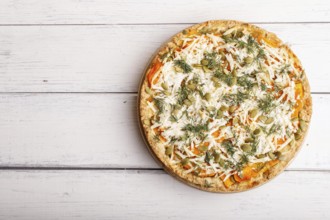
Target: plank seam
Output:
{"points": [[18, 168], [134, 93], [155, 24]]}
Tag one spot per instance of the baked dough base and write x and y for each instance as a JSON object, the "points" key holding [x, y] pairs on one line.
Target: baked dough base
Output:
{"points": [[215, 184]]}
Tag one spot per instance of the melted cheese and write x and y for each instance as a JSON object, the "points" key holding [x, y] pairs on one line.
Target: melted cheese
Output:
{"points": [[266, 72]]}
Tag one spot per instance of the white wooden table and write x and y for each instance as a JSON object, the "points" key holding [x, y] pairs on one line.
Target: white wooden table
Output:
{"points": [[70, 147]]}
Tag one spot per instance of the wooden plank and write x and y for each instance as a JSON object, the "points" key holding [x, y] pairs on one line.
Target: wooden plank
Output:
{"points": [[171, 11], [155, 195], [100, 130], [111, 58]]}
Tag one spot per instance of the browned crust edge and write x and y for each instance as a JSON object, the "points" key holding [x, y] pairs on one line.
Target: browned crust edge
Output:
{"points": [[215, 184]]}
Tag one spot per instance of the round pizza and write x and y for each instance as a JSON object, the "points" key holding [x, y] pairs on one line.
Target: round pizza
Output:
{"points": [[224, 106]]}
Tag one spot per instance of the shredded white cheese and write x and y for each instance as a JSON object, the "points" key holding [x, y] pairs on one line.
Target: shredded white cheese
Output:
{"points": [[207, 92]]}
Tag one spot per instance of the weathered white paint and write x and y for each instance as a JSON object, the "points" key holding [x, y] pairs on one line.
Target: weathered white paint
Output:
{"points": [[39, 54], [148, 11], [155, 195], [100, 130], [111, 58]]}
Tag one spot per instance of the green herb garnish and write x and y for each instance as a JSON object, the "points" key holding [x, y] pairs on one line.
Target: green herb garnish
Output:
{"points": [[229, 79], [242, 162], [263, 87], [211, 60], [266, 104], [183, 65], [196, 128], [208, 157], [236, 99], [274, 129], [164, 56], [160, 105], [183, 93], [173, 118], [229, 147], [245, 82], [284, 69]]}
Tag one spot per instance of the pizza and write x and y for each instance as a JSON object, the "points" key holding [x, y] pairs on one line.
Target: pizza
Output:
{"points": [[224, 106]]}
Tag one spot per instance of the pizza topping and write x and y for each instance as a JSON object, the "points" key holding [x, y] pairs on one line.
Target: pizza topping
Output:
{"points": [[225, 103]]}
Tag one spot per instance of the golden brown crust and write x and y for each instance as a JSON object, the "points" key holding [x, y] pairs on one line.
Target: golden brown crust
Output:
{"points": [[212, 184]]}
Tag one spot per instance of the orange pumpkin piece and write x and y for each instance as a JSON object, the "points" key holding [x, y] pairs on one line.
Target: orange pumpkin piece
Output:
{"points": [[150, 99], [192, 32], [204, 174], [281, 141], [216, 133], [230, 123], [299, 92], [207, 175], [159, 131], [206, 144], [273, 162], [186, 167], [237, 178], [272, 42], [156, 130], [155, 67], [196, 151], [247, 173], [269, 165], [226, 182], [162, 138], [220, 140]]}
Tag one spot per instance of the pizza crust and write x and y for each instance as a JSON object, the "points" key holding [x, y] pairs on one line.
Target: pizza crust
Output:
{"points": [[213, 184]]}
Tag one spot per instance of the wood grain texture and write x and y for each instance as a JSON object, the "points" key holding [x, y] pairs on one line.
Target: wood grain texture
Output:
{"points": [[111, 58], [155, 195], [148, 11], [99, 48], [100, 130]]}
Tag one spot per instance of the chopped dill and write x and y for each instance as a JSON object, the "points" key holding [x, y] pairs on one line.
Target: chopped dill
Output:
{"points": [[211, 58], [261, 54], [237, 98], [164, 56], [263, 86], [285, 69], [218, 74], [229, 147], [160, 105], [156, 137], [196, 128], [173, 139], [228, 79], [208, 157], [245, 82], [205, 30], [266, 104], [173, 118], [254, 146], [183, 93], [243, 161], [274, 129], [250, 45], [229, 164], [183, 65]]}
